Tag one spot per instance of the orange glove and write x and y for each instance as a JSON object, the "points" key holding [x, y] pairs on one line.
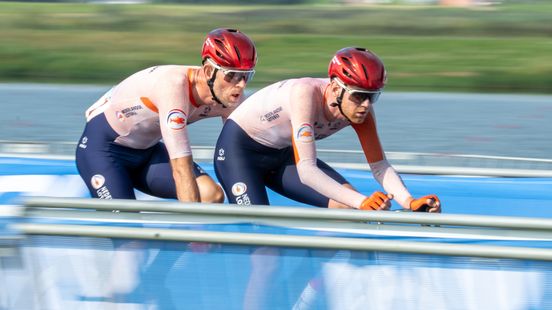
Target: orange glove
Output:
{"points": [[377, 201], [425, 204]]}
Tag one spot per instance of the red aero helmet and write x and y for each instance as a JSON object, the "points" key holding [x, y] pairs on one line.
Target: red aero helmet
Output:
{"points": [[358, 67], [230, 48]]}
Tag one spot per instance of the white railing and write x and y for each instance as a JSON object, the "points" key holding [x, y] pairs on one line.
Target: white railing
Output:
{"points": [[58, 210], [317, 214], [404, 162]]}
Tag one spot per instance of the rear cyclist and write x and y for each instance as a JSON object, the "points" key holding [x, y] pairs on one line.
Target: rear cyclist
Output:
{"points": [[121, 147]]}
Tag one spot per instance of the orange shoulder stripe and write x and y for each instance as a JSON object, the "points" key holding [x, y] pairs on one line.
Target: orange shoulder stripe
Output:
{"points": [[190, 93], [149, 104], [295, 153]]}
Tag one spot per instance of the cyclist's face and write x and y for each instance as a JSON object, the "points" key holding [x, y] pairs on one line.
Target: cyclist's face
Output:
{"points": [[229, 89], [229, 84], [356, 103], [355, 107]]}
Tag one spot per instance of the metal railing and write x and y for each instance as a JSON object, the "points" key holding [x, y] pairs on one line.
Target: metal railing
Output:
{"points": [[254, 239], [404, 162], [346, 221], [272, 212]]}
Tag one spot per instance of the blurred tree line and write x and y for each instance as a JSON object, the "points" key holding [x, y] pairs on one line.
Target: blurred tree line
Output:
{"points": [[272, 2], [204, 2], [498, 48]]}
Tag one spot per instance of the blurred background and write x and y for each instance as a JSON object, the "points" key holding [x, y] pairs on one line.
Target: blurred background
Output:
{"points": [[465, 76]]}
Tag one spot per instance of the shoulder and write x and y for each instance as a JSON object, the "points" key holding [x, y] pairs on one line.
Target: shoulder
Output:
{"points": [[175, 73], [307, 86], [308, 82], [308, 89], [171, 79]]}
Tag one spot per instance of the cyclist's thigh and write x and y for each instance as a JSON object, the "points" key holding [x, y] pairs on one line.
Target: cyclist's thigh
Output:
{"points": [[101, 169], [237, 167], [156, 178]]}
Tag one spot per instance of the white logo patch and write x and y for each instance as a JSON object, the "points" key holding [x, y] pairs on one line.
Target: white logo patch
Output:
{"points": [[220, 156], [239, 189], [97, 181], [176, 119], [83, 145]]}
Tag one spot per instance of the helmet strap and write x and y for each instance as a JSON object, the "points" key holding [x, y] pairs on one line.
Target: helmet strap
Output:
{"points": [[339, 100], [211, 83]]}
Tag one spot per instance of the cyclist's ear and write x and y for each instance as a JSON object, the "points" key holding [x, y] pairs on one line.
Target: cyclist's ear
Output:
{"points": [[335, 87], [208, 70]]}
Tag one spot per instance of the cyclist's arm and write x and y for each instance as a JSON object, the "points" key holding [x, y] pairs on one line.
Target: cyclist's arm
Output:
{"points": [[184, 178], [173, 117], [383, 172], [302, 119]]}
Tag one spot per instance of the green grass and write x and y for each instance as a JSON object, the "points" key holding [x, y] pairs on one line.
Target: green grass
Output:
{"points": [[491, 49]]}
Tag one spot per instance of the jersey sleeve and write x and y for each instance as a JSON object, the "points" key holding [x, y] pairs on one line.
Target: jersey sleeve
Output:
{"points": [[368, 136], [303, 109], [174, 110], [383, 172]]}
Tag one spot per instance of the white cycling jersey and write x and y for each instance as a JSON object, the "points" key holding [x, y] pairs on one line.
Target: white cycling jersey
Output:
{"points": [[154, 104], [295, 113]]}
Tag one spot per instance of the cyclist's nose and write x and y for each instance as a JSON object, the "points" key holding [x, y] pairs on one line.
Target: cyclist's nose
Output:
{"points": [[242, 82], [366, 102]]}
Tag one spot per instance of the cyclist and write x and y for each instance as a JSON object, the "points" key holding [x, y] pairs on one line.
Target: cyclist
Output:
{"points": [[136, 134], [270, 140]]}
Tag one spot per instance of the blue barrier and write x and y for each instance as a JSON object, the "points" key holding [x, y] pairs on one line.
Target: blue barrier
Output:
{"points": [[71, 272], [464, 195], [82, 272]]}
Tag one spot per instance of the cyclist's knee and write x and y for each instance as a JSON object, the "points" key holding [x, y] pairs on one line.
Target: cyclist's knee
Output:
{"points": [[209, 191], [215, 194]]}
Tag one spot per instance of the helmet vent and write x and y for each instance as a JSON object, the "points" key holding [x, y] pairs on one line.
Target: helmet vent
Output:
{"points": [[365, 71], [237, 52], [346, 73], [346, 60]]}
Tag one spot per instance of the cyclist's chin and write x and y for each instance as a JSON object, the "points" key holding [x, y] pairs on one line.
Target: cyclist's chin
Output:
{"points": [[357, 119], [232, 101]]}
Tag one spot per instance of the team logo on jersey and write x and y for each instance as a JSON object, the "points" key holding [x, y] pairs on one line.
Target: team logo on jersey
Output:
{"points": [[272, 115], [176, 119], [84, 140], [239, 189], [221, 156], [305, 133], [97, 181], [120, 116]]}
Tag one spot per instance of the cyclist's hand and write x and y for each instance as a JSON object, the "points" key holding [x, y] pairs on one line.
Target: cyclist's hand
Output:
{"points": [[377, 201], [429, 203]]}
